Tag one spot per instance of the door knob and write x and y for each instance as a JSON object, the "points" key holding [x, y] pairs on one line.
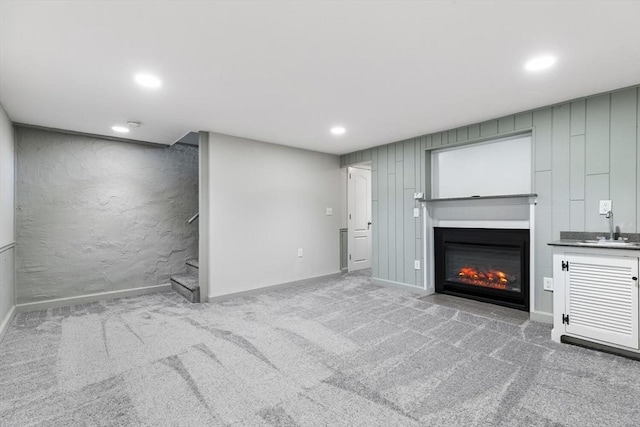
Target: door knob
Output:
{"points": [[369, 224]]}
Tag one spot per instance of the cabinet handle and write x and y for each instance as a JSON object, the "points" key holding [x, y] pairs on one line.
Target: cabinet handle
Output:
{"points": [[634, 278]]}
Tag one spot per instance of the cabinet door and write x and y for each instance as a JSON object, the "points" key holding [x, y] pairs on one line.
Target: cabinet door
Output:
{"points": [[602, 298]]}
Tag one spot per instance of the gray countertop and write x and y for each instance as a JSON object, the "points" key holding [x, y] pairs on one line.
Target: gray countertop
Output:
{"points": [[582, 244], [577, 238]]}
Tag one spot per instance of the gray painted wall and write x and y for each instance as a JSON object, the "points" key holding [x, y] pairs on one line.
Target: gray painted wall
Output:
{"points": [[267, 201], [96, 216], [7, 229], [584, 151]]}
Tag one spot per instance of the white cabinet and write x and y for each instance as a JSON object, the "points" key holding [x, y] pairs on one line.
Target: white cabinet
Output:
{"points": [[596, 296]]}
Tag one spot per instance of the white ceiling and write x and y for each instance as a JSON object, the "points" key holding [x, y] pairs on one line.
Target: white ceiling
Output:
{"points": [[287, 71]]}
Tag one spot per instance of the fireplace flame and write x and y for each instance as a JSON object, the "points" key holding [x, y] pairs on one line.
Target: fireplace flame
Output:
{"points": [[490, 279]]}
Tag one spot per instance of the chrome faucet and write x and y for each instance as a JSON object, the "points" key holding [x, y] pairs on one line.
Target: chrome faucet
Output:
{"points": [[611, 232]]}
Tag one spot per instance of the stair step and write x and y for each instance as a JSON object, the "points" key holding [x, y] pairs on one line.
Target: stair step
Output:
{"points": [[187, 286], [192, 266]]}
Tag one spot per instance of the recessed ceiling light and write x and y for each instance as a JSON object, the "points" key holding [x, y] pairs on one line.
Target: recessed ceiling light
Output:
{"points": [[148, 80], [120, 129], [338, 130], [540, 63]]}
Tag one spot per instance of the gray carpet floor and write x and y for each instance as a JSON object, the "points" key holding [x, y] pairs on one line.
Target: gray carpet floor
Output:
{"points": [[336, 352]]}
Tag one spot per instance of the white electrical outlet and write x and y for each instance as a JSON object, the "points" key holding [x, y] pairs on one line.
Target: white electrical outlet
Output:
{"points": [[416, 212], [300, 253], [605, 207], [329, 211], [416, 264], [547, 283]]}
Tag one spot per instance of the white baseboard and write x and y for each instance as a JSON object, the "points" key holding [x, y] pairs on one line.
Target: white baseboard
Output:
{"points": [[399, 285], [273, 287], [6, 322], [541, 316], [83, 299]]}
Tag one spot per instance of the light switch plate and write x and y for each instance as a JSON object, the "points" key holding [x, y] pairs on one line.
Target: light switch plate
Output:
{"points": [[605, 207], [329, 211], [416, 212], [416, 264], [547, 283], [300, 253]]}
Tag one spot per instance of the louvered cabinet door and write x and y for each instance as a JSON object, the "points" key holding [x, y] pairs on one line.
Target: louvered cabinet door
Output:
{"points": [[602, 298]]}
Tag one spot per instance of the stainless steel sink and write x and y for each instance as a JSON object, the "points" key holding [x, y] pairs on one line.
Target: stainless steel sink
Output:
{"points": [[606, 242]]}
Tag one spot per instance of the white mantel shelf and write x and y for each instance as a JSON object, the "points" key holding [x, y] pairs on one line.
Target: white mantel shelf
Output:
{"points": [[528, 196]]}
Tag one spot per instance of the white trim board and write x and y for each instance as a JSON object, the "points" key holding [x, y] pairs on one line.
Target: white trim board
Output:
{"points": [[270, 288], [83, 299], [4, 326], [541, 316]]}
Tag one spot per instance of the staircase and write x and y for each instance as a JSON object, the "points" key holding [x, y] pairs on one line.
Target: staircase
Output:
{"points": [[187, 284]]}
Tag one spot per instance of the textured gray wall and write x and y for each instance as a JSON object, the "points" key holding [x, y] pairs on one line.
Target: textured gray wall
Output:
{"points": [[584, 151], [96, 215]]}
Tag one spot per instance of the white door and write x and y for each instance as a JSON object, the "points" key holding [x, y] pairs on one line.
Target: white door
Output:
{"points": [[359, 217], [602, 298]]}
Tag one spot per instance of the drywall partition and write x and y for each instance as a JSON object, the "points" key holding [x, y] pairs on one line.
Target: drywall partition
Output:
{"points": [[7, 229], [583, 151], [96, 216], [267, 202]]}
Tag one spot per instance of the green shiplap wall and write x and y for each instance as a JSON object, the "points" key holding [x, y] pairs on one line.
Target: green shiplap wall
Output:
{"points": [[584, 151]]}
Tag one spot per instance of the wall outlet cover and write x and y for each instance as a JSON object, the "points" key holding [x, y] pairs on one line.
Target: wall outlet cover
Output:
{"points": [[300, 253], [548, 283], [605, 207], [329, 211], [416, 264], [416, 212]]}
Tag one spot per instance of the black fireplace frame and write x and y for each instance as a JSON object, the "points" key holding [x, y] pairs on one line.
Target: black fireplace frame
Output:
{"points": [[490, 237]]}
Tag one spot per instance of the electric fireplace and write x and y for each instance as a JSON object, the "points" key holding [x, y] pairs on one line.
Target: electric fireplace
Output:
{"points": [[490, 265]]}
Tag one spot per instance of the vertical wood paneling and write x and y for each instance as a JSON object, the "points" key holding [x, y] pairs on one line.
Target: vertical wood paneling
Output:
{"points": [[597, 188], [391, 208], [391, 158], [577, 165], [489, 128], [462, 134], [597, 135], [400, 214], [358, 156], [453, 136], [366, 155], [375, 236], [622, 178], [523, 121], [409, 159], [474, 131], [428, 141], [543, 185], [506, 124], [578, 118], [436, 140], [383, 213], [560, 165], [542, 142], [577, 215], [409, 238], [374, 158], [399, 147]]}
